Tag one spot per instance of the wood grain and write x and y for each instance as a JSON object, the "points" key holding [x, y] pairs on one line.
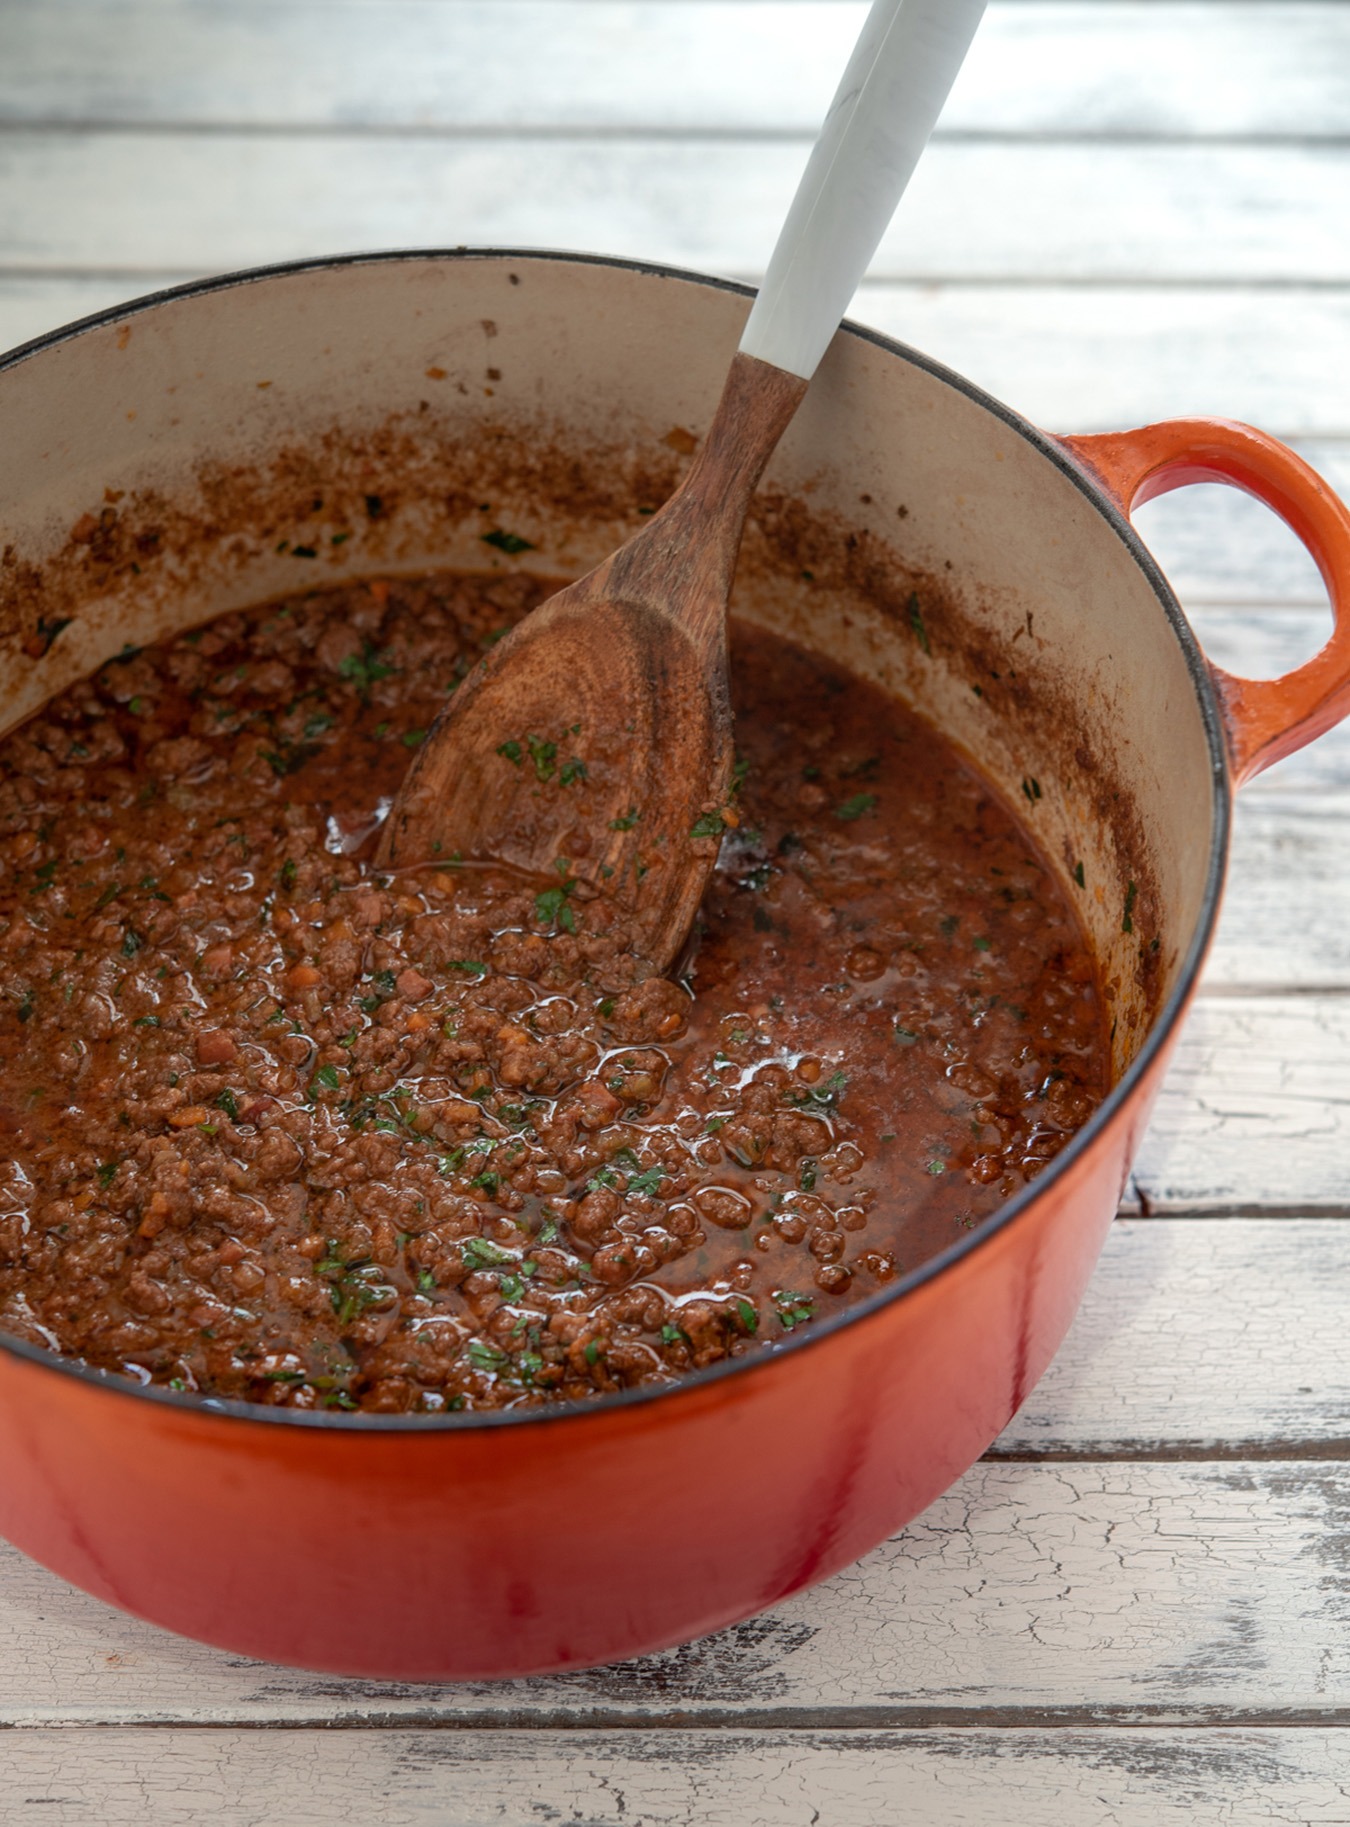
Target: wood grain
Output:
{"points": [[1207, 212], [1255, 1112], [989, 1778], [1224, 1339], [1169, 1593], [1123, 67], [1097, 356], [1283, 924], [628, 666]]}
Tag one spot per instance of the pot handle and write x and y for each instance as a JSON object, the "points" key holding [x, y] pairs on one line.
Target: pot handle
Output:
{"points": [[1265, 719]]}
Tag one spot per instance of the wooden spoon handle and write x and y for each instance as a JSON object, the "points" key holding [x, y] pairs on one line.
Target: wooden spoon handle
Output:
{"points": [[684, 559]]}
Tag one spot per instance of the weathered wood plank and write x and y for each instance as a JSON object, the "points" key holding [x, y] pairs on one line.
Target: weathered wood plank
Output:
{"points": [[1098, 357], [1118, 67], [1223, 1337], [1159, 1592], [1023, 210], [1283, 925], [1255, 1113], [668, 1779]]}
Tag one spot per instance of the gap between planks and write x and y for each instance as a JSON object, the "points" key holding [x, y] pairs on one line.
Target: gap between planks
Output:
{"points": [[823, 1718], [642, 134]]}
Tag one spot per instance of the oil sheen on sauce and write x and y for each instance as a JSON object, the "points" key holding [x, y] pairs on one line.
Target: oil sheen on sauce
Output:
{"points": [[278, 1127]]}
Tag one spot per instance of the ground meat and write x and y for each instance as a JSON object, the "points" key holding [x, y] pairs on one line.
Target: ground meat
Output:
{"points": [[283, 1128]]}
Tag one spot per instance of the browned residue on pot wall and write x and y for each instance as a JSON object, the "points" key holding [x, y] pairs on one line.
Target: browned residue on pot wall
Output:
{"points": [[414, 491]]}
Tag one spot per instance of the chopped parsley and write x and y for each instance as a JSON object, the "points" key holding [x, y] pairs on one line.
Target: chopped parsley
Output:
{"points": [[793, 1309], [485, 1357], [647, 1182], [365, 668], [506, 542], [482, 1253], [544, 755], [551, 904], [828, 1092], [856, 807]]}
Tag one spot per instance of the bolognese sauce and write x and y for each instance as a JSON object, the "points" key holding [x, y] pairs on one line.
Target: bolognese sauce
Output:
{"points": [[280, 1127]]}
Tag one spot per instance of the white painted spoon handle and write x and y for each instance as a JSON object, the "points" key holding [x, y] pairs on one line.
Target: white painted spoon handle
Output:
{"points": [[892, 92]]}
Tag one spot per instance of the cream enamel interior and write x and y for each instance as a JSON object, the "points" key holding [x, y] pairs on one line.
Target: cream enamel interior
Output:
{"points": [[484, 357]]}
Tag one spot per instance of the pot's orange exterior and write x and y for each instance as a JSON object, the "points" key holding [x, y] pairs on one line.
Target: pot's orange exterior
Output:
{"points": [[486, 1546], [1267, 718], [561, 1542]]}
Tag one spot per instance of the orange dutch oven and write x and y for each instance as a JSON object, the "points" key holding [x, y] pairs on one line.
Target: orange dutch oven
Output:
{"points": [[153, 460]]}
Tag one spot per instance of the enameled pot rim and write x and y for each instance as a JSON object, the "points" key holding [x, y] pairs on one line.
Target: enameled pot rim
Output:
{"points": [[934, 1267]]}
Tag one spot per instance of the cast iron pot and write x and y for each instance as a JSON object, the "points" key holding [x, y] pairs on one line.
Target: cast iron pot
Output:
{"points": [[201, 450]]}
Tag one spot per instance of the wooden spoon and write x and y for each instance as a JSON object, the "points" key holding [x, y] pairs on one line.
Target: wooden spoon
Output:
{"points": [[593, 745]]}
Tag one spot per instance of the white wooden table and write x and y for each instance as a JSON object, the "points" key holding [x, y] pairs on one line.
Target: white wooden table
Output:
{"points": [[1136, 1610]]}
